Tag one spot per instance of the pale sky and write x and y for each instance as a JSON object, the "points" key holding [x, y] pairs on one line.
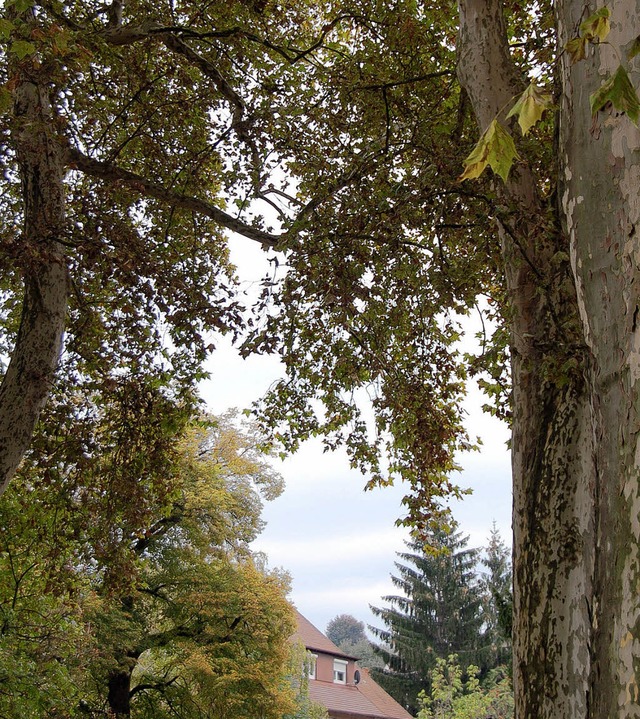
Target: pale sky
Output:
{"points": [[336, 541]]}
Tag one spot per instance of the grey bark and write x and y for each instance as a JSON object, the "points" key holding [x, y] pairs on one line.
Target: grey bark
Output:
{"points": [[600, 172], [552, 450]]}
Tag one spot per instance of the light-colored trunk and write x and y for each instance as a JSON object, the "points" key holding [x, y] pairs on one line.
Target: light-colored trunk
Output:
{"points": [[600, 170], [29, 376]]}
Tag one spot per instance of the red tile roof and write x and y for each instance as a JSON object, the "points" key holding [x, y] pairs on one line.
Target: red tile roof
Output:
{"points": [[342, 698], [313, 638], [387, 705]]}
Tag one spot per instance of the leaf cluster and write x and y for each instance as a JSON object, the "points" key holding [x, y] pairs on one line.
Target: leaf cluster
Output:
{"points": [[149, 578], [451, 697], [322, 133], [617, 90]]}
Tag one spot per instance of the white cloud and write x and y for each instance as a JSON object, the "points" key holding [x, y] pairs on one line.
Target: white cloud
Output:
{"points": [[334, 548]]}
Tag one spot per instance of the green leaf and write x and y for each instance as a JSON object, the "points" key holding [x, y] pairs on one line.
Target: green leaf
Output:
{"points": [[577, 49], [496, 149], [634, 49], [6, 28], [22, 5], [6, 100], [619, 91], [530, 107], [596, 25], [22, 48]]}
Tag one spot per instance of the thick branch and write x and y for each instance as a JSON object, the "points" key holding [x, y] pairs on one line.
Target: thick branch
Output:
{"points": [[156, 686], [159, 529], [175, 44], [132, 33], [485, 67], [552, 487], [112, 173]]}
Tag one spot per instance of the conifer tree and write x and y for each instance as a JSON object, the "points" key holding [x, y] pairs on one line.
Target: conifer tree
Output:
{"points": [[498, 600], [438, 613]]}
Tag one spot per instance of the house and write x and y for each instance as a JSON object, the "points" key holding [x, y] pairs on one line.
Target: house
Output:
{"points": [[336, 681]]}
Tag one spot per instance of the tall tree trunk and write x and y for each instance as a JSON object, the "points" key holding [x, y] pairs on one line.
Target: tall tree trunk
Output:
{"points": [[40, 257], [600, 167], [552, 443]]}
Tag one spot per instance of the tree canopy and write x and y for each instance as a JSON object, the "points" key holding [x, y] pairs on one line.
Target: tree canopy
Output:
{"points": [[349, 634], [151, 614], [175, 122], [345, 628]]}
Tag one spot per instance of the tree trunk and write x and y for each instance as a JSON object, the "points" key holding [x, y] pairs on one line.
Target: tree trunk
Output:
{"points": [[600, 167], [119, 693], [552, 444], [27, 381]]}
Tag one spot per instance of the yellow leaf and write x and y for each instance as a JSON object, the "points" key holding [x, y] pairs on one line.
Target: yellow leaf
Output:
{"points": [[530, 107], [494, 148], [472, 171], [577, 49], [596, 25]]}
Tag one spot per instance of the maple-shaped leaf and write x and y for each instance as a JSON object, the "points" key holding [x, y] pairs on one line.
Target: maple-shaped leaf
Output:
{"points": [[495, 148], [596, 25], [6, 28], [619, 91], [530, 107], [22, 48], [577, 49]]}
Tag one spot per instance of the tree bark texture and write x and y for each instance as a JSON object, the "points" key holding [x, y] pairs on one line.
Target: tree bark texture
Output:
{"points": [[555, 475], [600, 174], [27, 381]]}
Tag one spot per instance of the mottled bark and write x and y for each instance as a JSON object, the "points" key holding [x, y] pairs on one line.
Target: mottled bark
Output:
{"points": [[27, 381], [600, 170], [553, 470]]}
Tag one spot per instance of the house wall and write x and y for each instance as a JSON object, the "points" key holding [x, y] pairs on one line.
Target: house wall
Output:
{"points": [[324, 669]]}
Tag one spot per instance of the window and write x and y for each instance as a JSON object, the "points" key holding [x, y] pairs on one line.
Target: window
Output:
{"points": [[310, 665], [339, 671]]}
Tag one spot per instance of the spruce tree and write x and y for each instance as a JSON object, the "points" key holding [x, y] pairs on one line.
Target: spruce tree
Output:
{"points": [[498, 600], [438, 613]]}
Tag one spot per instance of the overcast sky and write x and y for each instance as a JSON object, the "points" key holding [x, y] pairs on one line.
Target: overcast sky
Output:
{"points": [[338, 542]]}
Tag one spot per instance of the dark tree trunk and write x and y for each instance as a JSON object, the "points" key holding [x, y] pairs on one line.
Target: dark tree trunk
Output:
{"points": [[552, 443], [119, 693], [40, 258]]}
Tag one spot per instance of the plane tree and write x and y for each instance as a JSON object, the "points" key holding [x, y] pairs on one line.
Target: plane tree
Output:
{"points": [[135, 133]]}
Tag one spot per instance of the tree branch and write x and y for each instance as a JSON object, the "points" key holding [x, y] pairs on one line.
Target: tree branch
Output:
{"points": [[40, 256], [160, 528], [116, 175], [157, 686]]}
